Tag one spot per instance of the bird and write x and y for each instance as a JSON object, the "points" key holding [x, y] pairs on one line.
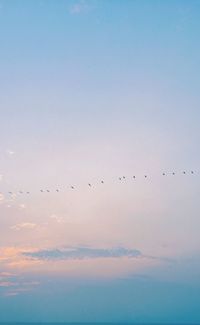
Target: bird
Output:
{"points": [[192, 172], [145, 176], [134, 176], [89, 184], [72, 187], [57, 190], [124, 177], [48, 191], [102, 182], [120, 178], [20, 192], [173, 173], [41, 191], [184, 172], [163, 174], [27, 192]]}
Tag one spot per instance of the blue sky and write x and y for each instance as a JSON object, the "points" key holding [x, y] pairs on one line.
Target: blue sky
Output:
{"points": [[91, 91]]}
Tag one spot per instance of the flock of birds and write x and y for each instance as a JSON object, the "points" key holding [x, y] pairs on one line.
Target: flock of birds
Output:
{"points": [[73, 187]]}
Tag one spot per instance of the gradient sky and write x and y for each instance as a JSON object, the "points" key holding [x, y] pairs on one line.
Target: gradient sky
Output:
{"points": [[91, 91]]}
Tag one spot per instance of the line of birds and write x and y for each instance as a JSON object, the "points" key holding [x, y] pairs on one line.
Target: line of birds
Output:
{"points": [[90, 185]]}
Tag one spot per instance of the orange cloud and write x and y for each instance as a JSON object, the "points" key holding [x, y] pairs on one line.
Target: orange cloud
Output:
{"points": [[13, 257]]}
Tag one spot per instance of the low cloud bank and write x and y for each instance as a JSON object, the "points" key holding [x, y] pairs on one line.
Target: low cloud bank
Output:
{"points": [[79, 253]]}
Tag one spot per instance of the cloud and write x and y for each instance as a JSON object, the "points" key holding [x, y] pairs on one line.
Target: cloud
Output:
{"points": [[24, 225], [6, 284], [79, 7], [5, 278], [7, 253], [13, 257], [11, 294], [6, 274], [57, 219], [10, 152], [12, 283], [80, 253], [22, 206], [1, 197], [16, 288]]}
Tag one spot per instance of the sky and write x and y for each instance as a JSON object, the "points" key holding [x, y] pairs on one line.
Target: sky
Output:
{"points": [[94, 95]]}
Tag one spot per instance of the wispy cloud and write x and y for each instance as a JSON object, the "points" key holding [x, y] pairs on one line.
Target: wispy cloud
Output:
{"points": [[57, 218], [12, 284], [79, 253], [24, 225], [79, 7], [16, 288], [22, 206], [11, 294], [10, 152], [6, 275], [1, 198], [13, 258]]}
